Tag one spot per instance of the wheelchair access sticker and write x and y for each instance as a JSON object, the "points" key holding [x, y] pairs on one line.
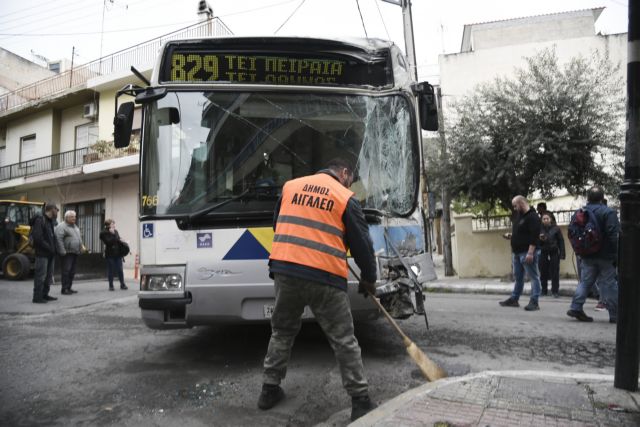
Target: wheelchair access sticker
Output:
{"points": [[147, 231]]}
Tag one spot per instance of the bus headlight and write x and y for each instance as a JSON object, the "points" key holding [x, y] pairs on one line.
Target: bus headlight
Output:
{"points": [[161, 282]]}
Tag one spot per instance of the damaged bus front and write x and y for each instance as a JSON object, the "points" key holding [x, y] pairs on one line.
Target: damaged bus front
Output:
{"points": [[226, 122]]}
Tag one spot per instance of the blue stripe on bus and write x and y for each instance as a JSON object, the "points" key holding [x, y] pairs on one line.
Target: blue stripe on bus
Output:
{"points": [[247, 247]]}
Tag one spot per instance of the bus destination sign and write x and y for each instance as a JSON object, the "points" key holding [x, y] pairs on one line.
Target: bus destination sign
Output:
{"points": [[278, 69]]}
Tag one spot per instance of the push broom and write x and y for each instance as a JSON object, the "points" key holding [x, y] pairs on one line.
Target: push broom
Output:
{"points": [[428, 367]]}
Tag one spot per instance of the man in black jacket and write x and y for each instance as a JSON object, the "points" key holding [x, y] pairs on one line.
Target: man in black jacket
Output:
{"points": [[525, 252], [44, 244]]}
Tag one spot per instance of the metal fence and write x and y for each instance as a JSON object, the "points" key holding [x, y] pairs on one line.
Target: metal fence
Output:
{"points": [[60, 161], [497, 222], [143, 53]]}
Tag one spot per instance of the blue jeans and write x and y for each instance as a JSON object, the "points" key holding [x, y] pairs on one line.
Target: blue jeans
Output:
{"points": [[114, 267], [519, 267], [602, 271], [42, 276]]}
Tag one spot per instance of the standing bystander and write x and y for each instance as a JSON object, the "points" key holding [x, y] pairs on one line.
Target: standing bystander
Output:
{"points": [[113, 253], [69, 247], [601, 266], [525, 252], [552, 251], [44, 244]]}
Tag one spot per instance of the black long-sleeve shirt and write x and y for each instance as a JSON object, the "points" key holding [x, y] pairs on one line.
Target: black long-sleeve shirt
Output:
{"points": [[525, 231]]}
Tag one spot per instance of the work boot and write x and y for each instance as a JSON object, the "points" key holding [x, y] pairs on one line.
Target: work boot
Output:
{"points": [[580, 315], [50, 298], [361, 405], [532, 306], [270, 395], [509, 302]]}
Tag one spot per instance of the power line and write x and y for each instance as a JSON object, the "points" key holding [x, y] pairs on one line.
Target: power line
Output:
{"points": [[362, 20], [46, 18], [55, 6], [292, 13], [94, 32], [46, 13], [382, 19]]}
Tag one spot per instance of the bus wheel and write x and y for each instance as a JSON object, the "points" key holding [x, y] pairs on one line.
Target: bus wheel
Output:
{"points": [[16, 267]]}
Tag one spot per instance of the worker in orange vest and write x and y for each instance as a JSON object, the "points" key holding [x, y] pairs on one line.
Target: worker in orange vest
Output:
{"points": [[317, 221]]}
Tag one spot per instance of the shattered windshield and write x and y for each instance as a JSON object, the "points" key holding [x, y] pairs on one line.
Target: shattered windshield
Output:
{"points": [[236, 150]]}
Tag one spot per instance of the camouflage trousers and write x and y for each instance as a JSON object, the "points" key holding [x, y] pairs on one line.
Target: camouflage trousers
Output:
{"points": [[330, 307]]}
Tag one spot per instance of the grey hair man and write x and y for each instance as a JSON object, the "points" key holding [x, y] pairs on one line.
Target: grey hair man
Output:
{"points": [[70, 246]]}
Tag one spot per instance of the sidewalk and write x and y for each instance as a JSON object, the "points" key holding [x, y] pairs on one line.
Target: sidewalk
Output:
{"points": [[510, 398], [507, 398]]}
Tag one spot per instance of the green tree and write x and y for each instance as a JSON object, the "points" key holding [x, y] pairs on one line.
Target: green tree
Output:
{"points": [[549, 127]]}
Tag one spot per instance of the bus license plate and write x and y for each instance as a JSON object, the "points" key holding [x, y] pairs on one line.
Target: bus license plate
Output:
{"points": [[268, 312]]}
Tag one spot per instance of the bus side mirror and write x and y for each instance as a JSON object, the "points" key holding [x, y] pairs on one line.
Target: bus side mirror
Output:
{"points": [[122, 123], [427, 105]]}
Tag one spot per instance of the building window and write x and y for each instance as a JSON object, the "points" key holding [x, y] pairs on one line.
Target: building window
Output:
{"points": [[27, 148], [86, 135]]}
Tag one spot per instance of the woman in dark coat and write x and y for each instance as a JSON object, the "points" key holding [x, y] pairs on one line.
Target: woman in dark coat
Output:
{"points": [[112, 253], [552, 252]]}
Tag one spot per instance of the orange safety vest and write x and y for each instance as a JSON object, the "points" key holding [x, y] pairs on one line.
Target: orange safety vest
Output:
{"points": [[309, 230]]}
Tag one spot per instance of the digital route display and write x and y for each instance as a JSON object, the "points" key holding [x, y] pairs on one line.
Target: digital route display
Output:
{"points": [[189, 65]]}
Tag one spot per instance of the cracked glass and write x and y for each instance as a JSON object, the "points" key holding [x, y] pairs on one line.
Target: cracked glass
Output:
{"points": [[202, 149]]}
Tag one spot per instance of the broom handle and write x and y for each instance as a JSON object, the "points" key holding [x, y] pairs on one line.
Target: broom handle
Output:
{"points": [[375, 300]]}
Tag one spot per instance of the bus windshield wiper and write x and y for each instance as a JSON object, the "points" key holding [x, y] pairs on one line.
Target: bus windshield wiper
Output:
{"points": [[212, 208]]}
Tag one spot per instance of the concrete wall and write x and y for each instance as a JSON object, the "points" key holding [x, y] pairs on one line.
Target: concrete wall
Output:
{"points": [[41, 124], [461, 72], [106, 110], [120, 193], [16, 71], [71, 118], [486, 253]]}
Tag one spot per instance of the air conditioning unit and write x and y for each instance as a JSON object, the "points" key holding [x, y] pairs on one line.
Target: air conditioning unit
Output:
{"points": [[89, 111]]}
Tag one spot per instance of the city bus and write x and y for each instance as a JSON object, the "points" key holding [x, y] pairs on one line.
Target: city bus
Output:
{"points": [[226, 122]]}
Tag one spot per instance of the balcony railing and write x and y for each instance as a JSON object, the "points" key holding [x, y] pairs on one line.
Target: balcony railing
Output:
{"points": [[60, 161], [143, 53]]}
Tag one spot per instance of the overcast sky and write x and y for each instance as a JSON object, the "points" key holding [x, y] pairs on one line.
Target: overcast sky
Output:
{"points": [[51, 28]]}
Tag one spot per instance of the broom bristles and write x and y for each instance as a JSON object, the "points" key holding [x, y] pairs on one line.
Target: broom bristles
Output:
{"points": [[429, 369]]}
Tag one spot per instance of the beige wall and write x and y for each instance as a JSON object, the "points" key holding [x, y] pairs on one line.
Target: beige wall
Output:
{"points": [[106, 111], [487, 254], [41, 124], [121, 202], [71, 117]]}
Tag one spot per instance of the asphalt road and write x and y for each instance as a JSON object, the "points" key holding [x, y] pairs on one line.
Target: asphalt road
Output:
{"points": [[87, 359]]}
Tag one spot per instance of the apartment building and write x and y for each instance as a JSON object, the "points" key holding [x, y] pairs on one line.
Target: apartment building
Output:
{"points": [[493, 49], [56, 136]]}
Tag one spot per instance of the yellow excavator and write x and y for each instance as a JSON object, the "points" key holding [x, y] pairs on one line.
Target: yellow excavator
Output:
{"points": [[16, 254]]}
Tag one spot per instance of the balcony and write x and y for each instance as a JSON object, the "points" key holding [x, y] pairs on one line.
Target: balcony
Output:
{"points": [[67, 160], [143, 53]]}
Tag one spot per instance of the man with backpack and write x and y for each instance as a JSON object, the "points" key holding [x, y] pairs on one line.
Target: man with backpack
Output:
{"points": [[593, 233]]}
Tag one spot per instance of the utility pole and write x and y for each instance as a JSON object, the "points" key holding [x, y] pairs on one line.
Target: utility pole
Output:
{"points": [[407, 22], [628, 327], [73, 55], [446, 199]]}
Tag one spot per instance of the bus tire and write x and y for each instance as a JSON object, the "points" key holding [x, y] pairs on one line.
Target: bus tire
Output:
{"points": [[16, 267]]}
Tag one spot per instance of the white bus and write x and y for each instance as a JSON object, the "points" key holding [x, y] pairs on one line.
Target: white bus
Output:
{"points": [[226, 122]]}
